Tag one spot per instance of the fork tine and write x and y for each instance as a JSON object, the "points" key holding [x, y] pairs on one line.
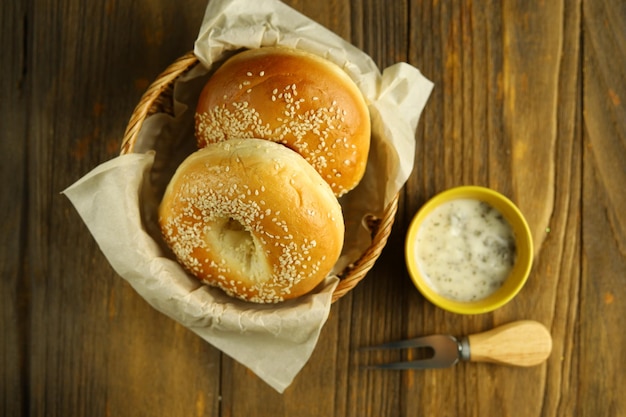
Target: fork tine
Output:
{"points": [[417, 342], [430, 363], [445, 352]]}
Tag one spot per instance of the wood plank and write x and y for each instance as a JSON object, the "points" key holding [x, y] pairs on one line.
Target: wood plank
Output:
{"points": [[603, 287], [336, 15], [462, 47], [498, 119], [379, 303], [97, 348], [317, 389], [557, 268], [13, 284]]}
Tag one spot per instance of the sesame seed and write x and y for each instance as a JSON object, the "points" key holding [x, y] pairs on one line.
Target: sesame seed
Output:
{"points": [[310, 133]]}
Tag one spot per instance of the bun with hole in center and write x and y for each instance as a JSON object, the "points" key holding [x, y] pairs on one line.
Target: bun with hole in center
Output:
{"points": [[254, 218], [291, 97]]}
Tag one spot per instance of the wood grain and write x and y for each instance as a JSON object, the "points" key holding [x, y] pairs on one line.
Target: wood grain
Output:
{"points": [[96, 348], [496, 112], [14, 317], [603, 284], [529, 100]]}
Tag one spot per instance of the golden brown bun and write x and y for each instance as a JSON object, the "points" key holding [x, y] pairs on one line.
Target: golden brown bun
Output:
{"points": [[253, 218], [295, 98]]}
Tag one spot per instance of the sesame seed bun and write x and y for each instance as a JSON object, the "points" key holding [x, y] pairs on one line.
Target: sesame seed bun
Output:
{"points": [[253, 218], [294, 98]]}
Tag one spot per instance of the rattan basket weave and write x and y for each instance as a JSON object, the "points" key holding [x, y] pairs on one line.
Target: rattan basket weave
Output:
{"points": [[158, 98]]}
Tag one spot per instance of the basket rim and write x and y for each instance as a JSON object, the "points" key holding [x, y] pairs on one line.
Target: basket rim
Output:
{"points": [[380, 231]]}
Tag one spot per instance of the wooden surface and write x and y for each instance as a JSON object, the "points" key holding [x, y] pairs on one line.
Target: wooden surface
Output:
{"points": [[529, 99]]}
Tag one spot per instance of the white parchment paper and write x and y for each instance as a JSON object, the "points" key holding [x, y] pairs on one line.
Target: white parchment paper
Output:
{"points": [[118, 199]]}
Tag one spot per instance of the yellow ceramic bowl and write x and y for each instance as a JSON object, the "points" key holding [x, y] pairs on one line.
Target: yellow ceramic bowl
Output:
{"points": [[523, 260]]}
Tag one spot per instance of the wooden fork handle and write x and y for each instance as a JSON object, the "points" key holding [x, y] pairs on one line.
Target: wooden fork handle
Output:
{"points": [[520, 343]]}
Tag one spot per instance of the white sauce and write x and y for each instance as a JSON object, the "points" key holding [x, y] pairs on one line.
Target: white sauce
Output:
{"points": [[466, 249]]}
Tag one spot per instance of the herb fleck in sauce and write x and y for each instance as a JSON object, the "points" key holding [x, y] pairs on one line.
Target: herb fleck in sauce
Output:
{"points": [[466, 249]]}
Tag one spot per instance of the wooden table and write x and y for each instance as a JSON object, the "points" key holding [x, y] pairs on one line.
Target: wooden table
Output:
{"points": [[529, 99]]}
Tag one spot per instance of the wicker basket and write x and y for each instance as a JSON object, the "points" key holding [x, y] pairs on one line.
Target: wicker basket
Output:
{"points": [[158, 99]]}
